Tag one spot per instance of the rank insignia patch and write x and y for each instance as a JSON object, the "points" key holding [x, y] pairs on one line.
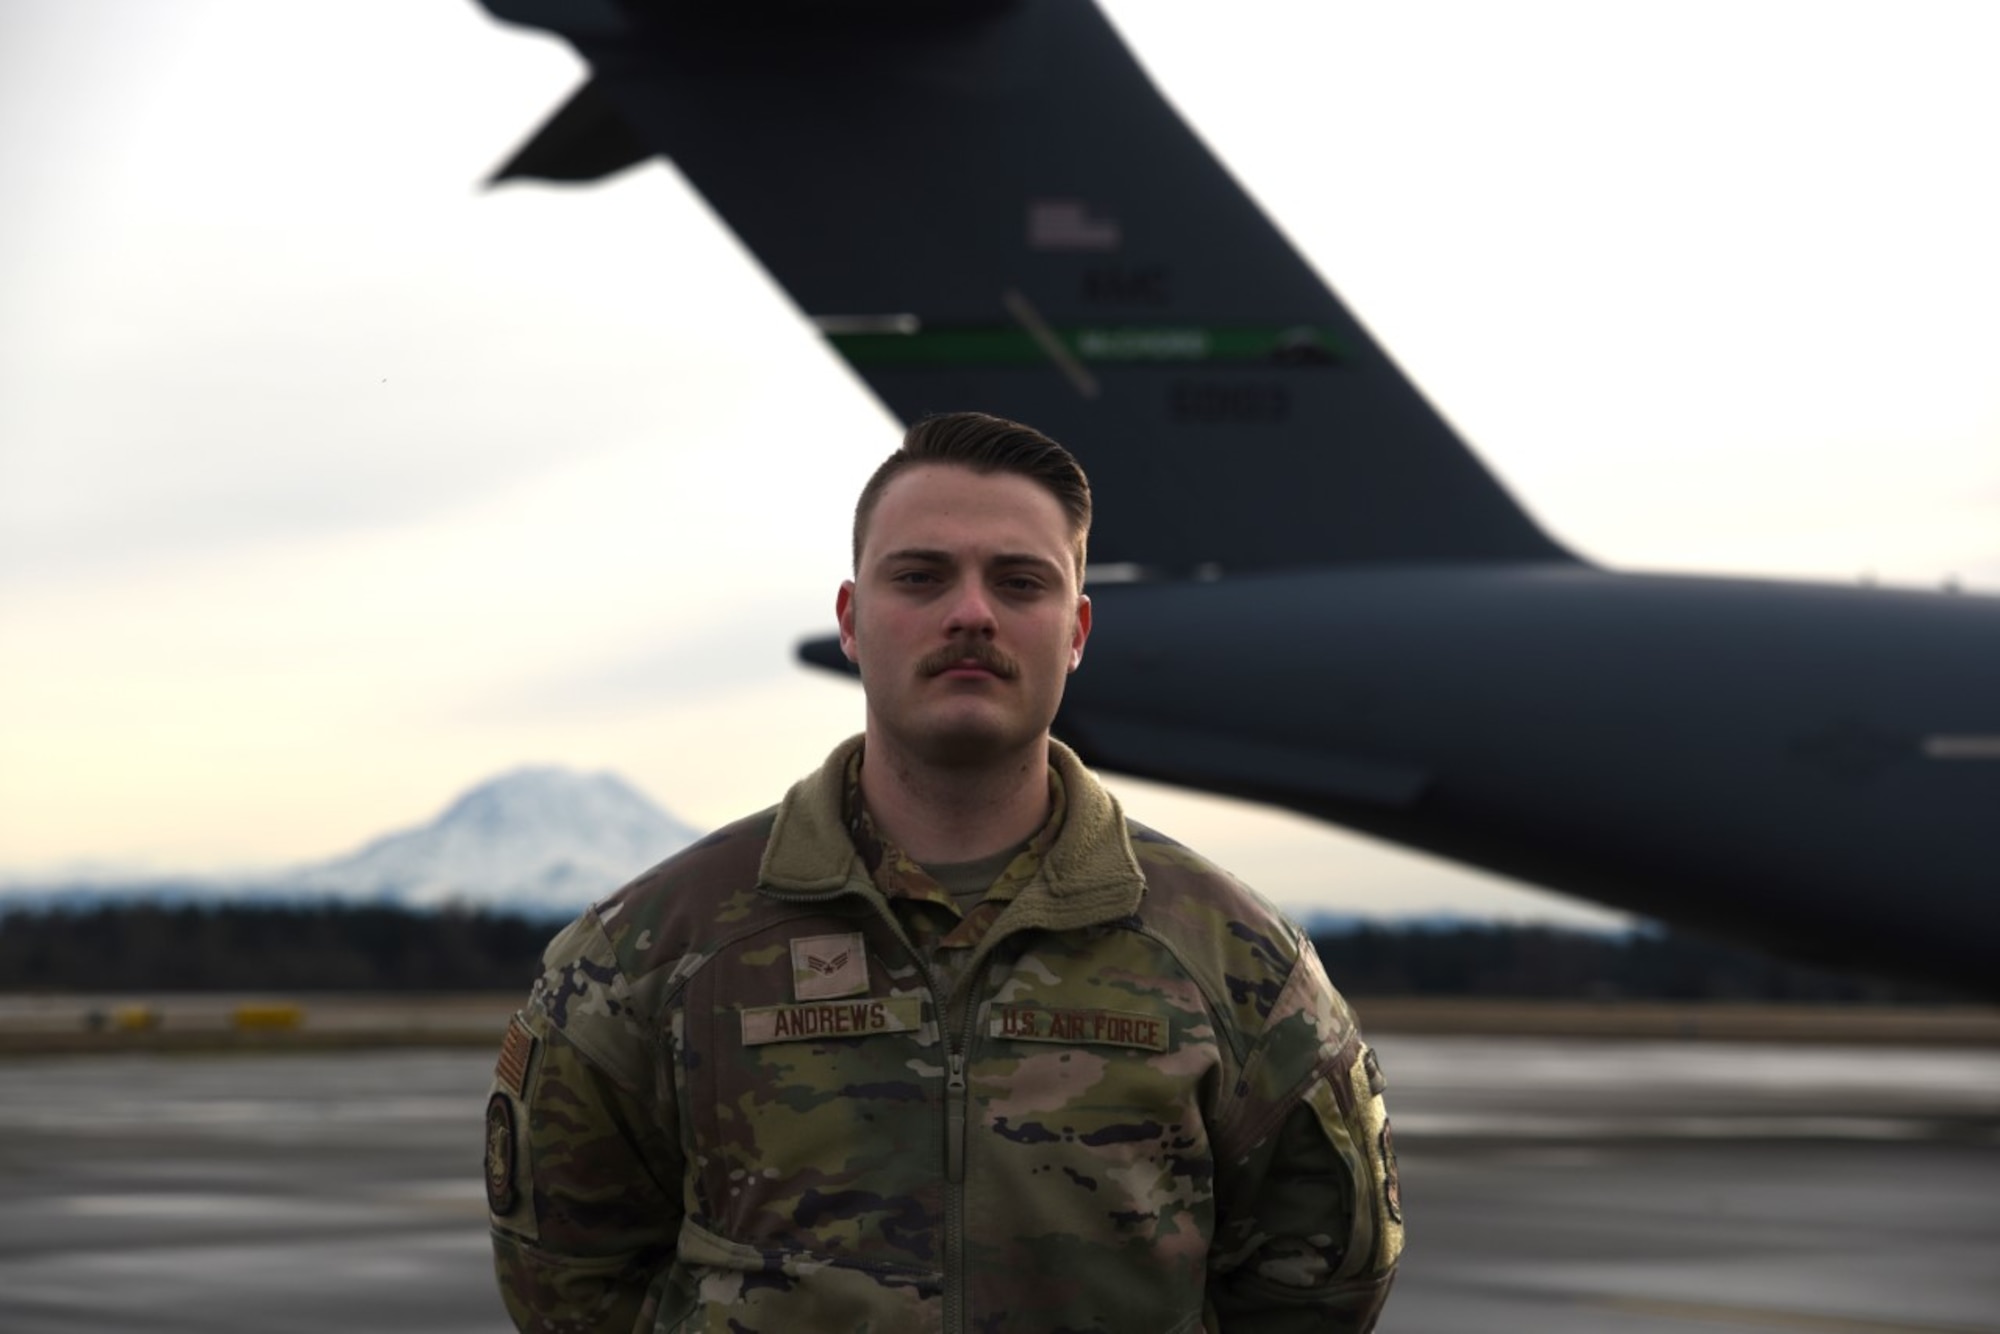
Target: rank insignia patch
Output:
{"points": [[511, 1071], [826, 967], [500, 1154]]}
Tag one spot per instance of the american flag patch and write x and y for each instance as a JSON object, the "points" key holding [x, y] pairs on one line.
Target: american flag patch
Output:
{"points": [[511, 1071]]}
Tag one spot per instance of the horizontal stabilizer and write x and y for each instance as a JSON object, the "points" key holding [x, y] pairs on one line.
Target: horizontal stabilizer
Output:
{"points": [[825, 653]]}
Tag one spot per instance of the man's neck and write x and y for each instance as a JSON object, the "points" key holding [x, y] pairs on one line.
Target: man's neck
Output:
{"points": [[939, 814]]}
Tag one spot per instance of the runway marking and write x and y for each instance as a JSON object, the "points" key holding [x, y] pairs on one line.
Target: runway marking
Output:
{"points": [[1768, 1319]]}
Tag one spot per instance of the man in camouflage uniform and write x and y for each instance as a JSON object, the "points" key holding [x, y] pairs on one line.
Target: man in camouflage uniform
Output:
{"points": [[943, 1042]]}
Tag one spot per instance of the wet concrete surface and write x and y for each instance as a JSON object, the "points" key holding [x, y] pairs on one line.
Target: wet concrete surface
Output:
{"points": [[1563, 1187]]}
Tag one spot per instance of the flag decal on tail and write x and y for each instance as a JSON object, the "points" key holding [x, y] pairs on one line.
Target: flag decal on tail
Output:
{"points": [[1068, 224]]}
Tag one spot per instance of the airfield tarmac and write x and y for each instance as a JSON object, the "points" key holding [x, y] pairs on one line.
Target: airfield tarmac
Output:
{"points": [[1552, 1185]]}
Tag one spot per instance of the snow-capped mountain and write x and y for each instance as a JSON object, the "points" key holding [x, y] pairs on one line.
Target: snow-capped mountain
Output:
{"points": [[541, 840]]}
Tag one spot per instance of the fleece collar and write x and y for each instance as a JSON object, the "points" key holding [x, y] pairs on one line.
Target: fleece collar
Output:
{"points": [[1089, 874]]}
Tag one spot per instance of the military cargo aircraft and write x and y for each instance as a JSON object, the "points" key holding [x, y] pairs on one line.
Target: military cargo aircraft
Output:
{"points": [[1309, 591]]}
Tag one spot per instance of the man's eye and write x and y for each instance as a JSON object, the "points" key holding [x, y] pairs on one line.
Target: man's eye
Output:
{"points": [[1022, 583], [913, 577]]}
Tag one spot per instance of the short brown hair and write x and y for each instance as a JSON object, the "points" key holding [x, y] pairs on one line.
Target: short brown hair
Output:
{"points": [[986, 444]]}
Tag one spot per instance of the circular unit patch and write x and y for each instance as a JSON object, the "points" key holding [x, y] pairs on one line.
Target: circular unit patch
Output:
{"points": [[500, 1154]]}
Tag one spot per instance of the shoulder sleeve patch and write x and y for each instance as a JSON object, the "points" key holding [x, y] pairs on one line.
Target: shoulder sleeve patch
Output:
{"points": [[500, 1190]]}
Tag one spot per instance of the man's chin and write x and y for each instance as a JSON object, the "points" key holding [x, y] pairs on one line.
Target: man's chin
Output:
{"points": [[971, 743]]}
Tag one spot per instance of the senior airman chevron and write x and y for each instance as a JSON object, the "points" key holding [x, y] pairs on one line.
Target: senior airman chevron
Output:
{"points": [[824, 967], [1113, 1028], [832, 1019]]}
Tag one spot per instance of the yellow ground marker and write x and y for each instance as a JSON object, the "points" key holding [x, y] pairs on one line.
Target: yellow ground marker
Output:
{"points": [[268, 1016]]}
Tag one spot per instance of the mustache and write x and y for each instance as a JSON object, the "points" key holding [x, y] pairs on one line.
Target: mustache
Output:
{"points": [[987, 656]]}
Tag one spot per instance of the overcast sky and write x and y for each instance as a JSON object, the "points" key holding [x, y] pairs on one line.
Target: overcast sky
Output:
{"points": [[331, 484]]}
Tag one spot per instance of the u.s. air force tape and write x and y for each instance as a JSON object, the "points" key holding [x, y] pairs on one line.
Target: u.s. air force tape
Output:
{"points": [[832, 1019], [1109, 1028]]}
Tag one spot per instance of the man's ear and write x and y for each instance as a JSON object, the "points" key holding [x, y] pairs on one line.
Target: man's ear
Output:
{"points": [[1082, 632], [843, 610]]}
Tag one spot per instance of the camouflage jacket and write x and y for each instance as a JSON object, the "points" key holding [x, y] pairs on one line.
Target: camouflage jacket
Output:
{"points": [[735, 1104]]}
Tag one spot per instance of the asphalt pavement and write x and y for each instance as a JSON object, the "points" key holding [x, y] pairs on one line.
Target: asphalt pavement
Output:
{"points": [[1561, 1187]]}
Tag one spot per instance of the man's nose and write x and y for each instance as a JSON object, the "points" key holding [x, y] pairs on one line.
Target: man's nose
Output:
{"points": [[971, 611]]}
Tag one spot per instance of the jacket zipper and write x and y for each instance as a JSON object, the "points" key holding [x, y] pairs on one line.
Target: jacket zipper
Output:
{"points": [[957, 1095], [956, 1091], [954, 1118]]}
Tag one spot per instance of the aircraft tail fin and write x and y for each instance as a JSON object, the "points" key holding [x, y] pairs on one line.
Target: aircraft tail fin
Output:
{"points": [[988, 205]]}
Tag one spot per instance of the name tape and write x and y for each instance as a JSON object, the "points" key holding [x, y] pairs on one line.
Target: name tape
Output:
{"points": [[832, 1019]]}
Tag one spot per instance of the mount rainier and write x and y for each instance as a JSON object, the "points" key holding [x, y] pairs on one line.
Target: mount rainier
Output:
{"points": [[543, 841], [536, 840]]}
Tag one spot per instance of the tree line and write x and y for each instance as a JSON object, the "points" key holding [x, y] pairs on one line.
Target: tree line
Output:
{"points": [[267, 947], [349, 947]]}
